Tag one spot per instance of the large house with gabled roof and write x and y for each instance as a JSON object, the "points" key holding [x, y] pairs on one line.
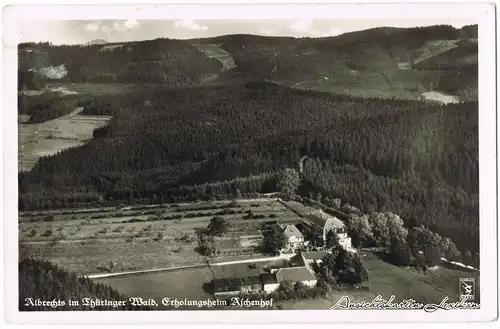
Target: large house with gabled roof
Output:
{"points": [[298, 270], [327, 223], [294, 238]]}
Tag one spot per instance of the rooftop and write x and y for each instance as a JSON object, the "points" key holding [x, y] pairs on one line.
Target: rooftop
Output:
{"points": [[291, 230], [315, 254], [298, 260], [321, 219], [295, 274], [233, 284], [268, 278]]}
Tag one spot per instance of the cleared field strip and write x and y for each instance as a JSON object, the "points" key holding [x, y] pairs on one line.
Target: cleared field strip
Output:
{"points": [[213, 50], [51, 137]]}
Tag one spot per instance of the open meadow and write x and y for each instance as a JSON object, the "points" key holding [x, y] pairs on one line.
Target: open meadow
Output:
{"points": [[404, 283], [385, 280], [53, 136], [37, 140], [191, 283]]}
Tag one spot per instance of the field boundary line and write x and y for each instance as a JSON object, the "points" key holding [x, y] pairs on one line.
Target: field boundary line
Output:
{"points": [[165, 269]]}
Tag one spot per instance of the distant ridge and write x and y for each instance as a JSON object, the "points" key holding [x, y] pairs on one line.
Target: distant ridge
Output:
{"points": [[96, 42]]}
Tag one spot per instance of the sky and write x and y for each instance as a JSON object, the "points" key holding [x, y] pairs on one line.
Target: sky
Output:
{"points": [[82, 31]]}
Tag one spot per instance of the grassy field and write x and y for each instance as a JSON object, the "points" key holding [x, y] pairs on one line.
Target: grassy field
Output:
{"points": [[404, 283], [140, 239], [215, 51], [385, 280], [50, 137], [397, 83], [72, 130], [188, 283], [192, 283], [96, 88]]}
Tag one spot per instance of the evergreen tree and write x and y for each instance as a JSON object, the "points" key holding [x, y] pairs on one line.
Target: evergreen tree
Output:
{"points": [[288, 181], [401, 254]]}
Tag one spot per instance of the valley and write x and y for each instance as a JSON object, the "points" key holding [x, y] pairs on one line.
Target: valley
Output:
{"points": [[51, 137], [156, 167]]}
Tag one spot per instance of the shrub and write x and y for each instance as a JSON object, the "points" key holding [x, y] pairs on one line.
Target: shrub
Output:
{"points": [[159, 236], [49, 218], [186, 238], [47, 233], [103, 230]]}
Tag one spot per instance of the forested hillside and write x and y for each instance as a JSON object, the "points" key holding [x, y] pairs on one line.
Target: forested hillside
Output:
{"points": [[46, 282], [331, 63], [47, 106], [415, 159], [164, 61]]}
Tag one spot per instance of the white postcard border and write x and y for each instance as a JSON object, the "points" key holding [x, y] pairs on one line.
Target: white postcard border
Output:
{"points": [[485, 14]]}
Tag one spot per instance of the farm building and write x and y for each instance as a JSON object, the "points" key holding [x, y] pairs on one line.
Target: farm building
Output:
{"points": [[269, 282], [296, 269], [328, 223], [297, 274], [294, 238], [299, 270], [235, 286]]}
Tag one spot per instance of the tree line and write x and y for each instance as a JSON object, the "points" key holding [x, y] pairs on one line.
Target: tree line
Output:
{"points": [[39, 279]]}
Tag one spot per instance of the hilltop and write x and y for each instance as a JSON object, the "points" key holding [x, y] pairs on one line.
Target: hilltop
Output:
{"points": [[379, 62], [162, 61], [96, 42]]}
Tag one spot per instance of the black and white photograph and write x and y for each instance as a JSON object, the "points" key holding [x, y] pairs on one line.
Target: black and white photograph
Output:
{"points": [[232, 159]]}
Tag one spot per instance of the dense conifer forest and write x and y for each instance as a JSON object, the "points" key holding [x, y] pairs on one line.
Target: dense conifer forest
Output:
{"points": [[416, 159], [41, 281]]}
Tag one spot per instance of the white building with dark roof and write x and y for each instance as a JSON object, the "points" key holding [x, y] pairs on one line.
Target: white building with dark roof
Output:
{"points": [[303, 275], [294, 238], [269, 282], [298, 270], [328, 223]]}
